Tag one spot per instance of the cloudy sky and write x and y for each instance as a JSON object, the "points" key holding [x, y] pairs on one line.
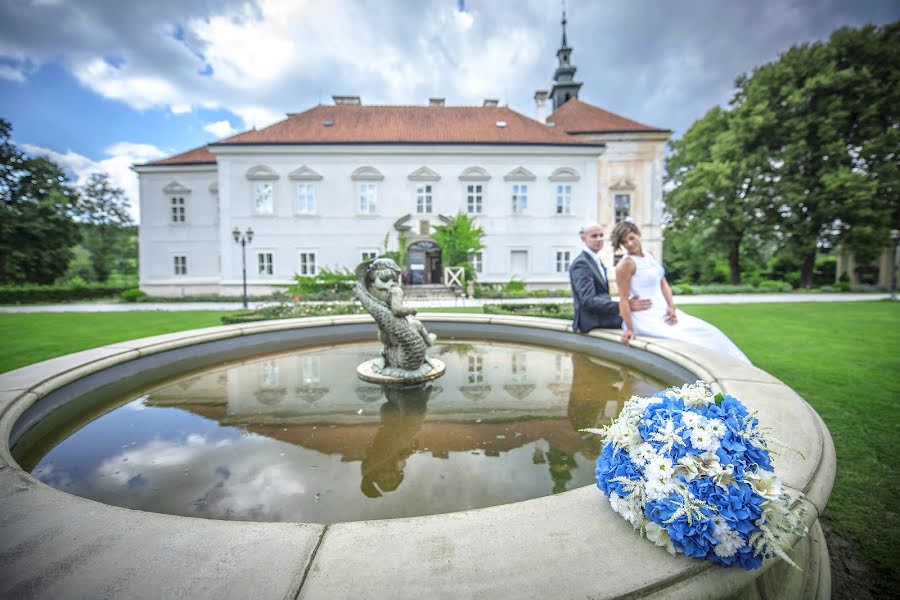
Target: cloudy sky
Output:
{"points": [[102, 84]]}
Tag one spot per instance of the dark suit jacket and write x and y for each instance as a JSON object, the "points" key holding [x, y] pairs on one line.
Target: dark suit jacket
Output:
{"points": [[594, 308]]}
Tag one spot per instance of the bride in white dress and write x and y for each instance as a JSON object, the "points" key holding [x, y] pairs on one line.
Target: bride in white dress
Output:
{"points": [[640, 275]]}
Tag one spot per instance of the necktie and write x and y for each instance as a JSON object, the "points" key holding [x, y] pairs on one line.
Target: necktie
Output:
{"points": [[602, 270]]}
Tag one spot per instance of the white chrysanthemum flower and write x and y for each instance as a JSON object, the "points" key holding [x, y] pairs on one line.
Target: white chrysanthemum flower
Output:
{"points": [[643, 454], [658, 474], [657, 489], [704, 439], [659, 536], [692, 419], [718, 427], [659, 467]]}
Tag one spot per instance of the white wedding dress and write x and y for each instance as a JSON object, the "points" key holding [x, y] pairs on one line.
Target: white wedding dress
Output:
{"points": [[652, 322]]}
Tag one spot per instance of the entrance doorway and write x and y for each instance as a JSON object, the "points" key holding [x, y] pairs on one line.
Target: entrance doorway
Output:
{"points": [[425, 263]]}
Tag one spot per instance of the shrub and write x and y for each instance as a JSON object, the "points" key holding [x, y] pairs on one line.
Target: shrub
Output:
{"points": [[771, 285], [326, 285], [133, 295], [514, 287], [682, 289], [553, 311], [292, 311], [30, 293]]}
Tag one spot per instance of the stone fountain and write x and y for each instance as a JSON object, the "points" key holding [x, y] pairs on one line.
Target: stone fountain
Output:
{"points": [[403, 359]]}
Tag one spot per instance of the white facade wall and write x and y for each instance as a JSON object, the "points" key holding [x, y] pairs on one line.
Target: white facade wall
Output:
{"points": [[338, 232]]}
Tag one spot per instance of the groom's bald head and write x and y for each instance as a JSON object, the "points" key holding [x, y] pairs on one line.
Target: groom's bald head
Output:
{"points": [[592, 236]]}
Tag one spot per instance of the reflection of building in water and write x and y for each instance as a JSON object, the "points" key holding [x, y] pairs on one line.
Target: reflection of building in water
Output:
{"points": [[492, 399]]}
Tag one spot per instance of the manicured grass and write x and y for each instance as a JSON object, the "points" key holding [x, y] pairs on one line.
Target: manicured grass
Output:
{"points": [[843, 358], [32, 337]]}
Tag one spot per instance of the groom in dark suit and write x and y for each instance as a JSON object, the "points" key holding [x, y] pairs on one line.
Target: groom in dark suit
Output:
{"points": [[594, 309]]}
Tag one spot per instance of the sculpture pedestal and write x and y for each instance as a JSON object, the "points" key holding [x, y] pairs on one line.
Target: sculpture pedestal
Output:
{"points": [[366, 372]]}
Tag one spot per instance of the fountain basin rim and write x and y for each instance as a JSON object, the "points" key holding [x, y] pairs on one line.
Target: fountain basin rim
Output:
{"points": [[402, 554]]}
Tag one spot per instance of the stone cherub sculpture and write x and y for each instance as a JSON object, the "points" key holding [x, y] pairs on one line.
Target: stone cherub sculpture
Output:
{"points": [[404, 337]]}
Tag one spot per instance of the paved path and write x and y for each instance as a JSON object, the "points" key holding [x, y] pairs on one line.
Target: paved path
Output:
{"points": [[461, 302]]}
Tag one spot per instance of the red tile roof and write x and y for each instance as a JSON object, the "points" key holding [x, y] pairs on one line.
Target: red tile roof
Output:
{"points": [[576, 116], [197, 156], [361, 124]]}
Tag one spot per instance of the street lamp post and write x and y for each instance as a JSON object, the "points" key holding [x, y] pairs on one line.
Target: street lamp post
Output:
{"points": [[895, 237], [243, 239]]}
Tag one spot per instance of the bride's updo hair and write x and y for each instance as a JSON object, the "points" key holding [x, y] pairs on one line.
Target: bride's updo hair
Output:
{"points": [[620, 231]]}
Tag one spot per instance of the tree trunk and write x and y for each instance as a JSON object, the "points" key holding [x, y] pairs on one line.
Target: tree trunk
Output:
{"points": [[734, 261], [806, 271]]}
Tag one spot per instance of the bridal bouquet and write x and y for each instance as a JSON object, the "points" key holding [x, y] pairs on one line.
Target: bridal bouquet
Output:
{"points": [[691, 471]]}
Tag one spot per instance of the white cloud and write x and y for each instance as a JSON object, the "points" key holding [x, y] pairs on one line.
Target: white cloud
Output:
{"points": [[120, 157], [220, 129], [11, 73]]}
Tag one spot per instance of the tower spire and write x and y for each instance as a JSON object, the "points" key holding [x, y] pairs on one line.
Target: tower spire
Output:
{"points": [[564, 87]]}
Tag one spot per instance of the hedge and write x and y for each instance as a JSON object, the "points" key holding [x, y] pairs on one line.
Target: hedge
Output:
{"points": [[553, 311], [32, 294], [292, 311]]}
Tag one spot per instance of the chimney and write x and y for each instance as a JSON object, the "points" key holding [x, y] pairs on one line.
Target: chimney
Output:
{"points": [[346, 100], [435, 102], [491, 102], [540, 101]]}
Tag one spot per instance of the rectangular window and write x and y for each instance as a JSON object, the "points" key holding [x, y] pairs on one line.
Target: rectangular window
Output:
{"points": [[265, 263], [268, 377], [622, 207], [564, 199], [263, 198], [476, 259], [180, 265], [519, 198], [423, 199], [369, 255], [476, 369], [308, 263], [519, 367], [474, 199], [306, 198], [563, 260], [368, 198], [178, 210], [311, 369]]}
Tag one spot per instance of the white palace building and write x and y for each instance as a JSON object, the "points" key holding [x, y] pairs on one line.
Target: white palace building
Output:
{"points": [[329, 187]]}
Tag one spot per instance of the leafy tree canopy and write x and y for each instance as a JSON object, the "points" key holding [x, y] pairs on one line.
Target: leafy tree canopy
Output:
{"points": [[806, 157], [36, 233]]}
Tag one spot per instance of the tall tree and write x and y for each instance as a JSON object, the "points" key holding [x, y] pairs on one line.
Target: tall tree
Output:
{"points": [[826, 115], [103, 209], [36, 233], [716, 197]]}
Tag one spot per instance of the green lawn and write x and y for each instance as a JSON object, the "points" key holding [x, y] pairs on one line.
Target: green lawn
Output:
{"points": [[32, 337], [843, 358]]}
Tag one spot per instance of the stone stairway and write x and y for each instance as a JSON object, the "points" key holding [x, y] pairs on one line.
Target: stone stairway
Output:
{"points": [[431, 292]]}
